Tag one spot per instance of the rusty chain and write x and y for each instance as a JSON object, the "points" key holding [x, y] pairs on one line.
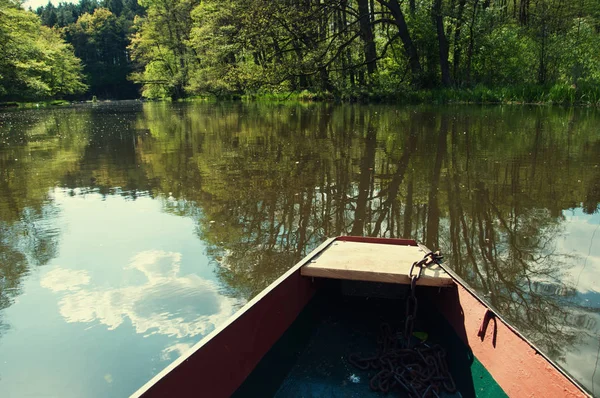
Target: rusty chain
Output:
{"points": [[411, 300], [421, 371]]}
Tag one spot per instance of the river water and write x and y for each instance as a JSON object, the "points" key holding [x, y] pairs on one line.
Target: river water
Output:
{"points": [[130, 230]]}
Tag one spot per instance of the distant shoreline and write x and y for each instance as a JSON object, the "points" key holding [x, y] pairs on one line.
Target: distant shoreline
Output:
{"points": [[422, 97]]}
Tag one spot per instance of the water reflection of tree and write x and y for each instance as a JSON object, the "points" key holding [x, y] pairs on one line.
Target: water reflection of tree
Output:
{"points": [[487, 186], [507, 259], [36, 149], [502, 238], [77, 149], [111, 161]]}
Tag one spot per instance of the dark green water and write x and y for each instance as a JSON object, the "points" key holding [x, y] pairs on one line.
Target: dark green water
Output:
{"points": [[128, 231]]}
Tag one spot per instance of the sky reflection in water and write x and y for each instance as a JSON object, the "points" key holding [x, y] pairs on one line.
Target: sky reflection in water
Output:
{"points": [[123, 266]]}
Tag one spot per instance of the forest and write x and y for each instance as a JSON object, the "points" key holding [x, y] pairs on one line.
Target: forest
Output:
{"points": [[366, 50]]}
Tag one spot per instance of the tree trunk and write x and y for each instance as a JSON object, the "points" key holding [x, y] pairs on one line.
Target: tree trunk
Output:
{"points": [[339, 29], [366, 33], [524, 12], [442, 42], [326, 84], [409, 46], [471, 41], [457, 47], [303, 79], [348, 53]]}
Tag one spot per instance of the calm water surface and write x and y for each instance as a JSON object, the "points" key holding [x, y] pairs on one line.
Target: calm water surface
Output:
{"points": [[128, 231]]}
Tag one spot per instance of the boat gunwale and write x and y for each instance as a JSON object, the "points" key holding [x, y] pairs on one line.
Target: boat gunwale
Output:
{"points": [[461, 282]]}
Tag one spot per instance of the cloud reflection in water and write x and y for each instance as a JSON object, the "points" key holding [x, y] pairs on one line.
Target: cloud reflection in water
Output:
{"points": [[167, 303]]}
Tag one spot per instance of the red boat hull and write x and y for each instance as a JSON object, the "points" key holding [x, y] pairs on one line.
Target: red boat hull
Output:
{"points": [[220, 363]]}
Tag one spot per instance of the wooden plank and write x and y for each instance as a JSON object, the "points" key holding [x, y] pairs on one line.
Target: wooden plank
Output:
{"points": [[372, 239], [373, 262]]}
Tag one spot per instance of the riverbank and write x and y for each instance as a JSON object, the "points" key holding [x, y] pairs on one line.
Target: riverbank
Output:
{"points": [[57, 103], [562, 94], [33, 104], [558, 94]]}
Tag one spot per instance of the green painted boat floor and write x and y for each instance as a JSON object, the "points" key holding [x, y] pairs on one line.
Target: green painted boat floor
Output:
{"points": [[310, 360]]}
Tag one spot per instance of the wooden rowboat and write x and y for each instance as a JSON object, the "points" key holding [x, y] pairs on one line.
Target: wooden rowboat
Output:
{"points": [[317, 331]]}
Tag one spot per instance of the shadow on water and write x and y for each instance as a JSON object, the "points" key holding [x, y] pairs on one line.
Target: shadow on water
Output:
{"points": [[499, 189]]}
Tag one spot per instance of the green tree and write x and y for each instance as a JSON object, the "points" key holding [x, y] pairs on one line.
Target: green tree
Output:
{"points": [[160, 45], [34, 61], [63, 71], [100, 33], [533, 50], [66, 14], [100, 40], [225, 64], [48, 15], [115, 6]]}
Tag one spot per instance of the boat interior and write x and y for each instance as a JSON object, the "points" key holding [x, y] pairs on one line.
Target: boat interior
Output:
{"points": [[345, 320]]}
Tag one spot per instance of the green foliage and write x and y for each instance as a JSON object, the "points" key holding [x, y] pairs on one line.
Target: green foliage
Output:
{"points": [[507, 56], [100, 40], [99, 33], [499, 52], [34, 60], [579, 55], [160, 45], [213, 38], [356, 50]]}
